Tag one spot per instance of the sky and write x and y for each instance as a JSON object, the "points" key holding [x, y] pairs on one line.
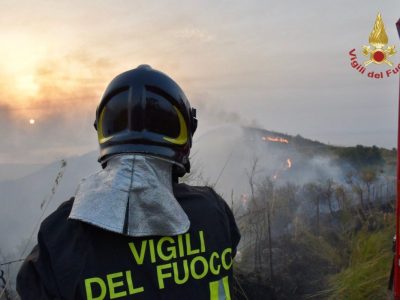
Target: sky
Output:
{"points": [[278, 65]]}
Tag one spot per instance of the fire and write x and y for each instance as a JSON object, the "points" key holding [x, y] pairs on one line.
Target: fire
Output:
{"points": [[283, 169], [275, 139], [289, 163]]}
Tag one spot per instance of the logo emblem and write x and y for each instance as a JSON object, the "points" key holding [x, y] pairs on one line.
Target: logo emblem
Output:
{"points": [[377, 51]]}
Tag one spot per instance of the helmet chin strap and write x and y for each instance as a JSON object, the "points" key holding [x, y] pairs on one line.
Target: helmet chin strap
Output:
{"points": [[132, 196]]}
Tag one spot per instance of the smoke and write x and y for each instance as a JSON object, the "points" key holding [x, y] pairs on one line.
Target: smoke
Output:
{"points": [[228, 152], [229, 157], [61, 96]]}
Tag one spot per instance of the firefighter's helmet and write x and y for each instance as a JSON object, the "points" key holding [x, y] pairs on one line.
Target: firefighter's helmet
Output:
{"points": [[145, 111]]}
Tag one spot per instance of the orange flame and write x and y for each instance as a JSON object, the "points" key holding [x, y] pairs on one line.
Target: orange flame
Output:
{"points": [[275, 139], [289, 163], [283, 169]]}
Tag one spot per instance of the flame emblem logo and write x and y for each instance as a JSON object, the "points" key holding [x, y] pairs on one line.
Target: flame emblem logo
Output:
{"points": [[377, 51]]}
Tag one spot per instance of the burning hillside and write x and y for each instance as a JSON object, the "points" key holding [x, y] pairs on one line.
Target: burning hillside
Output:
{"points": [[267, 177]]}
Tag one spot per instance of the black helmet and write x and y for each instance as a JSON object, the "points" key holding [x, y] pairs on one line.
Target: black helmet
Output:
{"points": [[145, 111]]}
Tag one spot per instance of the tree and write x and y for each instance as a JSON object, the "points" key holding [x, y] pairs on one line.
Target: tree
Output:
{"points": [[361, 156], [368, 177], [314, 191], [327, 190]]}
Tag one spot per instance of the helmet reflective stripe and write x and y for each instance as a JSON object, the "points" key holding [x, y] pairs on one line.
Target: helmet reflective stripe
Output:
{"points": [[182, 138], [100, 134]]}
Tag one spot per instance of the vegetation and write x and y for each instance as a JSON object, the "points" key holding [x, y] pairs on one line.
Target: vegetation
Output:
{"points": [[361, 157], [326, 239], [322, 240], [367, 274]]}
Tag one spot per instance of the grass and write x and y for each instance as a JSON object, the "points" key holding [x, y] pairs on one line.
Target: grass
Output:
{"points": [[367, 274]]}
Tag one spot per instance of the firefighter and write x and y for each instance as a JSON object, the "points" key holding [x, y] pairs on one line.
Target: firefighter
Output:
{"points": [[132, 231]]}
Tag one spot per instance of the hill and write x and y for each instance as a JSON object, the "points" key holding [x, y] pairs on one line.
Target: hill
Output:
{"points": [[223, 162], [239, 162]]}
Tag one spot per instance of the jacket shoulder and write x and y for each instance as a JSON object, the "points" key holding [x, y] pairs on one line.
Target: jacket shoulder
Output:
{"points": [[185, 190], [61, 212], [39, 274], [57, 221]]}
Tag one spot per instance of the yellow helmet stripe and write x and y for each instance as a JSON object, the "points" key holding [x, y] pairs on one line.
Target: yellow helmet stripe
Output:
{"points": [[182, 138], [100, 134]]}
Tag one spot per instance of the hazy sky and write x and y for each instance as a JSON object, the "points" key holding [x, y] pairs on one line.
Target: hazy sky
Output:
{"points": [[280, 65]]}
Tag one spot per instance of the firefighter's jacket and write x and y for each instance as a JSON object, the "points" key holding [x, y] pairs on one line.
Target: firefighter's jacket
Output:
{"points": [[75, 260]]}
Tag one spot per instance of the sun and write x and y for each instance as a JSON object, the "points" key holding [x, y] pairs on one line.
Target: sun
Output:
{"points": [[32, 121]]}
